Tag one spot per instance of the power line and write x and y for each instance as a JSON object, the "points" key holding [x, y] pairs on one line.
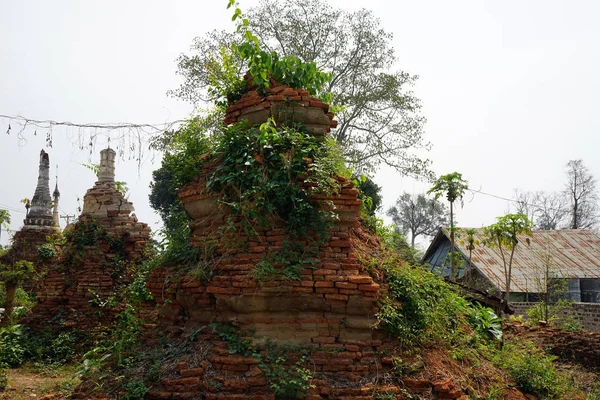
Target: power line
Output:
{"points": [[519, 202], [157, 128], [131, 139], [9, 208]]}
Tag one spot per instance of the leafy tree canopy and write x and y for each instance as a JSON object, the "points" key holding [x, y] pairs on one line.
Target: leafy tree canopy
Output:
{"points": [[453, 186], [379, 117]]}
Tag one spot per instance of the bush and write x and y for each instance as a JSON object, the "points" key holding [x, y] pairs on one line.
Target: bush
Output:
{"points": [[135, 390], [532, 370], [422, 307], [52, 346], [12, 345], [46, 251]]}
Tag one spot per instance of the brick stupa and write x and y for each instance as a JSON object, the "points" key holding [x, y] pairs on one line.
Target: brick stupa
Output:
{"points": [[96, 261]]}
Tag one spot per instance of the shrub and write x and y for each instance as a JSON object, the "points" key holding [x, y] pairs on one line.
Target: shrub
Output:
{"points": [[12, 345], [421, 307], [46, 251], [135, 390], [532, 370], [485, 321]]}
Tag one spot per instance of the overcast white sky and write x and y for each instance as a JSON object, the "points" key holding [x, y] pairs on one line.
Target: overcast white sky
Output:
{"points": [[510, 89]]}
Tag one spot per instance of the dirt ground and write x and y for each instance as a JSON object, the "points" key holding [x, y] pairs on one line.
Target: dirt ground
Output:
{"points": [[29, 382]]}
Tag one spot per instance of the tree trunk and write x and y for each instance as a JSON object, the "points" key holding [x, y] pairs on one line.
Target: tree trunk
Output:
{"points": [[546, 296], [452, 262], [509, 277], [412, 239], [10, 301]]}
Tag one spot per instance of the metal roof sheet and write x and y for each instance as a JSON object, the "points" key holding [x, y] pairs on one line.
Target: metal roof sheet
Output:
{"points": [[571, 253]]}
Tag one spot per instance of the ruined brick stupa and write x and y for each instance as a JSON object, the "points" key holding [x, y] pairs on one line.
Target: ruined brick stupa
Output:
{"points": [[39, 222], [96, 261]]}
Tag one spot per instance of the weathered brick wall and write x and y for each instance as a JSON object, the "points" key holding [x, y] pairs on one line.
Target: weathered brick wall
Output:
{"points": [[284, 104], [333, 302], [588, 314], [343, 372]]}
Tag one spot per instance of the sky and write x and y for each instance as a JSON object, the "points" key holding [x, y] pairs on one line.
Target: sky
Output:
{"points": [[509, 89]]}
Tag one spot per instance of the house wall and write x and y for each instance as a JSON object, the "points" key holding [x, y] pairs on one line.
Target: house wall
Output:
{"points": [[588, 314]]}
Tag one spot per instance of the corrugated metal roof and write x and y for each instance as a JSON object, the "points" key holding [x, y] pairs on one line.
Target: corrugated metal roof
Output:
{"points": [[572, 253]]}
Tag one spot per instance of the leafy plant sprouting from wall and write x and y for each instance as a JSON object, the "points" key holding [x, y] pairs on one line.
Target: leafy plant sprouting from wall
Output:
{"points": [[264, 66]]}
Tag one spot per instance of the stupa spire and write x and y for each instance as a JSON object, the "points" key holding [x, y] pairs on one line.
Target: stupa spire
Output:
{"points": [[40, 212]]}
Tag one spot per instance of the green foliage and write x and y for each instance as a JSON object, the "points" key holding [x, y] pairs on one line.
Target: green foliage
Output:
{"points": [[17, 272], [370, 194], [266, 66], [134, 390], [238, 344], [259, 169], [22, 299], [12, 345], [257, 178], [532, 370], [452, 186], [554, 314], [46, 251], [421, 307], [504, 233], [284, 365], [485, 321], [85, 233], [185, 155], [289, 378], [225, 83], [379, 116], [52, 347], [4, 220], [504, 236]]}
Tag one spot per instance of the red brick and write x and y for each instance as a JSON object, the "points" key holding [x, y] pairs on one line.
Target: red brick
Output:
{"points": [[373, 287], [192, 372], [339, 297], [346, 285]]}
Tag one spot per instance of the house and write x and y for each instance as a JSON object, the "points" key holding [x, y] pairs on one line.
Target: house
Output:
{"points": [[571, 255]]}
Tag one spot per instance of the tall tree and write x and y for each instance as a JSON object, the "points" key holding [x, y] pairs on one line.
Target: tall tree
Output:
{"points": [[4, 220], [547, 210], [503, 235], [583, 196], [379, 116], [453, 187], [418, 215]]}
